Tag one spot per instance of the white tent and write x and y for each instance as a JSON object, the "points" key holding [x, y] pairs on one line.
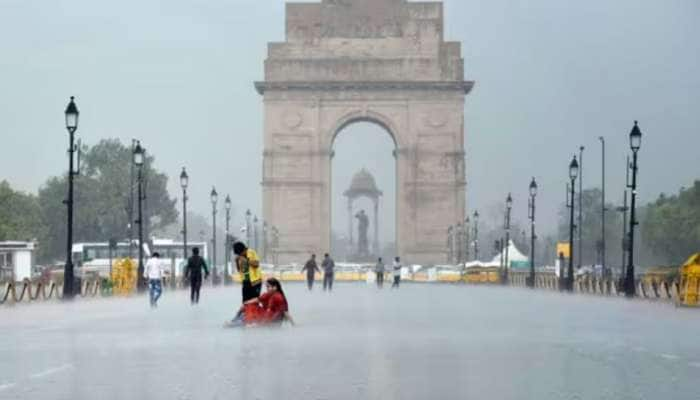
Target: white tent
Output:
{"points": [[514, 255]]}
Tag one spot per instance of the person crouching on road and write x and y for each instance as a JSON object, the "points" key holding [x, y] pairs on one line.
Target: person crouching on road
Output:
{"points": [[154, 273], [269, 309], [248, 266]]}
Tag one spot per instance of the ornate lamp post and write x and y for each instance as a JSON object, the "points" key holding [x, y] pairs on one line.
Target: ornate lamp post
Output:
{"points": [[214, 197], [580, 207], [475, 218], [255, 233], [264, 239], [71, 115], [450, 244], [458, 242], [635, 144], [467, 242], [573, 174], [248, 228], [531, 215], [227, 254], [509, 207], [138, 158], [184, 182], [602, 212], [275, 244]]}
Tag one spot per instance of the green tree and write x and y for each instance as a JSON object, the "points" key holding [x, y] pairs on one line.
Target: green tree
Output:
{"points": [[591, 229], [671, 225], [102, 199], [20, 215]]}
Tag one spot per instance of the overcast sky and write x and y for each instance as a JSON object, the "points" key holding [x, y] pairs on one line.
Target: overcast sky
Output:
{"points": [[550, 76]]}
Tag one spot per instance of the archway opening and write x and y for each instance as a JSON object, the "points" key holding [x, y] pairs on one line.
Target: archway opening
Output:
{"points": [[363, 178]]}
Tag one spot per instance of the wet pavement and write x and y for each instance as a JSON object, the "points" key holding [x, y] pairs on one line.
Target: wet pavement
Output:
{"points": [[422, 342]]}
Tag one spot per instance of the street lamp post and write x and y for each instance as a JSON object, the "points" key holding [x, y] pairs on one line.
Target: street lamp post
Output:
{"points": [[635, 144], [476, 235], [450, 245], [623, 209], [573, 174], [227, 247], [458, 242], [264, 239], [214, 197], [531, 215], [256, 242], [509, 207], [248, 232], [184, 182], [71, 115], [603, 210], [275, 244], [138, 162], [467, 242], [580, 208]]}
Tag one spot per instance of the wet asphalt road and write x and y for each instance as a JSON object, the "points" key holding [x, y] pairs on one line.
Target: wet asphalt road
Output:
{"points": [[422, 342]]}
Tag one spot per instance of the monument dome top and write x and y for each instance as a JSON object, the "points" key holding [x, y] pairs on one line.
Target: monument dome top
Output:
{"points": [[363, 184]]}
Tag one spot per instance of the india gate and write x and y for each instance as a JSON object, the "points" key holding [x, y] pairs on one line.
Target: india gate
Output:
{"points": [[380, 61]]}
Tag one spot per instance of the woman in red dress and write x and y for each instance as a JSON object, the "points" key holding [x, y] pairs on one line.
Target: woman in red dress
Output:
{"points": [[274, 303], [270, 308]]}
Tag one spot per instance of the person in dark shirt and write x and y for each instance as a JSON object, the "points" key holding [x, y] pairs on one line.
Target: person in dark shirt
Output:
{"points": [[328, 272], [193, 272], [311, 267]]}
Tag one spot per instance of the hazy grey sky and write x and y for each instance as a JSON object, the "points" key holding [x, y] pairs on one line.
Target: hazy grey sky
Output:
{"points": [[550, 75]]}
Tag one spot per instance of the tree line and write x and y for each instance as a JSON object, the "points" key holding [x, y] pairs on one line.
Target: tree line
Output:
{"points": [[103, 201]]}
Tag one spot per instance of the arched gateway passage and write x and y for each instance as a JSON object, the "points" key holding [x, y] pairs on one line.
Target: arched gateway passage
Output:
{"points": [[382, 61]]}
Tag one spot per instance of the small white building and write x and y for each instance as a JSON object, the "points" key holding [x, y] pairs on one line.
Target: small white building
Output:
{"points": [[16, 260]]}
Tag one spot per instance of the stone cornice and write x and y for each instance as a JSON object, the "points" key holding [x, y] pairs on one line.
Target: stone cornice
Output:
{"points": [[463, 86]]}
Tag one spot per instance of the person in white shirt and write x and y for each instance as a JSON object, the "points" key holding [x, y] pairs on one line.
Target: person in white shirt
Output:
{"points": [[154, 273], [397, 273]]}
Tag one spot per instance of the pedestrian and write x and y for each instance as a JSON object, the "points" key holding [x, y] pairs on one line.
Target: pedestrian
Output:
{"points": [[328, 271], [248, 266], [193, 272], [154, 273], [397, 273], [311, 268], [379, 270]]}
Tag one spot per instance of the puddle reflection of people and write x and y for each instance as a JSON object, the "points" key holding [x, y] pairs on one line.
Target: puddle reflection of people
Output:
{"points": [[270, 309]]}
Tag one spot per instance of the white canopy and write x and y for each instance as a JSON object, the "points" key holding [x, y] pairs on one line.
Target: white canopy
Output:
{"points": [[513, 255]]}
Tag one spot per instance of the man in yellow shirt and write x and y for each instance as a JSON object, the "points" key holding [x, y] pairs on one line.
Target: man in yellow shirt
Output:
{"points": [[248, 266]]}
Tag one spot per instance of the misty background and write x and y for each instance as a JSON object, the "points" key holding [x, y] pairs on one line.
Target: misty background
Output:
{"points": [[178, 75]]}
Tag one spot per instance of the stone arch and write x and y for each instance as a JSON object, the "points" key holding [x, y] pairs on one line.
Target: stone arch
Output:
{"points": [[372, 117], [331, 72], [391, 129]]}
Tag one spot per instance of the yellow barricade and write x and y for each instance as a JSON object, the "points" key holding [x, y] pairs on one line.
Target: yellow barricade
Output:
{"points": [[690, 282], [124, 277]]}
